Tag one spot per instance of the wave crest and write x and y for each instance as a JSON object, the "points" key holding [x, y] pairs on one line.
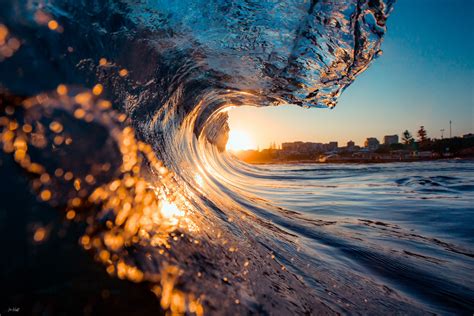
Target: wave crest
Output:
{"points": [[171, 209]]}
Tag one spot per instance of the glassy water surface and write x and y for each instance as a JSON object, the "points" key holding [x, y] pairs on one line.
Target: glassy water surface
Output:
{"points": [[406, 225]]}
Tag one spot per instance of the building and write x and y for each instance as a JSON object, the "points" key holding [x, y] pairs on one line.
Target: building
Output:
{"points": [[331, 146], [470, 135], [372, 143], [291, 146], [350, 144], [390, 139], [302, 147]]}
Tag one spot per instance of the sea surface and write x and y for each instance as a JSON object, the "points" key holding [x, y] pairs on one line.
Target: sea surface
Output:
{"points": [[408, 227]]}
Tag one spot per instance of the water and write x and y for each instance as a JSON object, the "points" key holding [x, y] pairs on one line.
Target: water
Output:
{"points": [[404, 227], [139, 161]]}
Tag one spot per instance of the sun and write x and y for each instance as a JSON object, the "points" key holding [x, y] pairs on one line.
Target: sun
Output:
{"points": [[239, 140]]}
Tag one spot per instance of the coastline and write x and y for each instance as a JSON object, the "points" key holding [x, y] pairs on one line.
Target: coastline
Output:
{"points": [[357, 161]]}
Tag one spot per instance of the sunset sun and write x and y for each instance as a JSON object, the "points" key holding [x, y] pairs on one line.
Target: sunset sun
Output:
{"points": [[239, 140]]}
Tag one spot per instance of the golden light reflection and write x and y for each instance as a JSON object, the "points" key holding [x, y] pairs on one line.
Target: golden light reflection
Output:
{"points": [[139, 212], [53, 25], [39, 235], [70, 215], [199, 180], [97, 89], [239, 140], [171, 212], [8, 44], [123, 72]]}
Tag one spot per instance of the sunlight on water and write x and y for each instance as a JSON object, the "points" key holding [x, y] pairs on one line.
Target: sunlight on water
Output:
{"points": [[171, 212], [135, 211]]}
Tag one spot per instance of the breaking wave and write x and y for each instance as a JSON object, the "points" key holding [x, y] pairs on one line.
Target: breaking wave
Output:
{"points": [[118, 111]]}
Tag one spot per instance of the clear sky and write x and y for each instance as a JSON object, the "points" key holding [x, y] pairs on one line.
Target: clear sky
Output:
{"points": [[425, 77]]}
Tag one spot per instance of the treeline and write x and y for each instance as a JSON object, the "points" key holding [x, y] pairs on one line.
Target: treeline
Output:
{"points": [[454, 146]]}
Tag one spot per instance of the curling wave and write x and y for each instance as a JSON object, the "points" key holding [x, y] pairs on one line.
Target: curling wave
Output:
{"points": [[164, 202]]}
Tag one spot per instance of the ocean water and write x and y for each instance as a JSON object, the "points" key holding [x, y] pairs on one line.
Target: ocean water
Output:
{"points": [[116, 112], [404, 228]]}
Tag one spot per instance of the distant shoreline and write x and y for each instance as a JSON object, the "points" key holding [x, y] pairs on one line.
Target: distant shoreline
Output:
{"points": [[357, 161], [308, 152]]}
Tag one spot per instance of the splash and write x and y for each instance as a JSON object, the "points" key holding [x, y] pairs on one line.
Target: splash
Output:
{"points": [[122, 207]]}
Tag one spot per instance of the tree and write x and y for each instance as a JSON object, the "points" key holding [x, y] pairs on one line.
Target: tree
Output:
{"points": [[422, 135], [407, 138]]}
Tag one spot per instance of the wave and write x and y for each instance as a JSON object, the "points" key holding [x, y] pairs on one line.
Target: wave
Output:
{"points": [[164, 203]]}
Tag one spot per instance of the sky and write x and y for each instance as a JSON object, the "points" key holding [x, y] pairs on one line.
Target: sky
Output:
{"points": [[424, 77]]}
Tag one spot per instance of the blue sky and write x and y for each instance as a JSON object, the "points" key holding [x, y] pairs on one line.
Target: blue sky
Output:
{"points": [[425, 77]]}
